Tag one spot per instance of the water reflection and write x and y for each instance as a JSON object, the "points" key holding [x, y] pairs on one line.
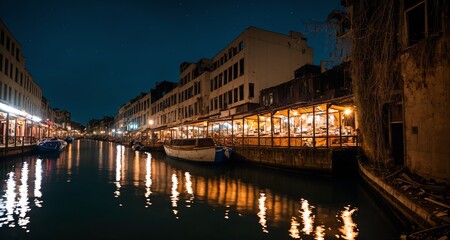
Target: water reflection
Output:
{"points": [[307, 217], [262, 212], [148, 180], [14, 207], [37, 184], [228, 197], [349, 230], [22, 205], [320, 233], [294, 232], [119, 155], [7, 204], [174, 197], [189, 190]]}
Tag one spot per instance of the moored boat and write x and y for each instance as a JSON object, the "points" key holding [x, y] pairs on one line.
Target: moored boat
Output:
{"points": [[68, 139], [197, 150], [51, 145]]}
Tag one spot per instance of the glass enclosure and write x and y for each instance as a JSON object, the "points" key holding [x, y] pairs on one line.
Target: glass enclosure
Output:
{"points": [[323, 125]]}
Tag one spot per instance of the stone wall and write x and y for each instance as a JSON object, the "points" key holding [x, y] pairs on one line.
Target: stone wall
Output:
{"points": [[301, 159], [426, 103]]}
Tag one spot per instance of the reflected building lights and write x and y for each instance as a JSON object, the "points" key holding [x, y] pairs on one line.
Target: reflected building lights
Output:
{"points": [[262, 212], [293, 231], [77, 157], [349, 230], [23, 207], [136, 169], [227, 212], [320, 233], [37, 184], [148, 180], [119, 154], [7, 208], [189, 189], [174, 197], [307, 218], [69, 162], [100, 155]]}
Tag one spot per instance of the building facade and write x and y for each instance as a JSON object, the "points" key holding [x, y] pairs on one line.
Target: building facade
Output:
{"points": [[17, 86], [20, 96], [230, 82], [131, 121], [425, 67], [400, 83], [255, 60]]}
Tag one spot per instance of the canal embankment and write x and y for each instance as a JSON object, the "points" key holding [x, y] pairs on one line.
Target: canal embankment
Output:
{"points": [[328, 161], [423, 206], [16, 150]]}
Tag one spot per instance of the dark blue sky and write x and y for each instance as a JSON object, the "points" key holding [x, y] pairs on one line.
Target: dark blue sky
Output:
{"points": [[89, 57]]}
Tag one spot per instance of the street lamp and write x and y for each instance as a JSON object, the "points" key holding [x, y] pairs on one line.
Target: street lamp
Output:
{"points": [[150, 123]]}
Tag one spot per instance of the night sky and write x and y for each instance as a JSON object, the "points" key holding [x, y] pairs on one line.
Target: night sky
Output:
{"points": [[90, 57]]}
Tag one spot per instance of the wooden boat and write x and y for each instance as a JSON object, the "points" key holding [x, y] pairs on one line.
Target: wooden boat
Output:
{"points": [[197, 150], [51, 145]]}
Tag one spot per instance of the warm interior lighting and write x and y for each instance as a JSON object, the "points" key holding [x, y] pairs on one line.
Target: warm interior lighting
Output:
{"points": [[347, 111]]}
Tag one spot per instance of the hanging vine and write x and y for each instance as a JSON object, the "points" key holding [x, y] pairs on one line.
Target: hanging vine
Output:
{"points": [[376, 75]]}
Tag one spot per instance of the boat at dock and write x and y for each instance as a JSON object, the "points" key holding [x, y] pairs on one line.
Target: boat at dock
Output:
{"points": [[51, 145], [197, 150]]}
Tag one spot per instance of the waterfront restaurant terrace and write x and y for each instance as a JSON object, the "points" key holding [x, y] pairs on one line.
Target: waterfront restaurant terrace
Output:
{"points": [[17, 128], [327, 124]]}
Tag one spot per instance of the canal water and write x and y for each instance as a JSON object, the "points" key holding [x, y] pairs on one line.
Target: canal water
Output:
{"points": [[102, 190]]}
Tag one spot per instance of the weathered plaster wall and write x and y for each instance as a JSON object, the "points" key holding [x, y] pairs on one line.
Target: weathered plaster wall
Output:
{"points": [[427, 115]]}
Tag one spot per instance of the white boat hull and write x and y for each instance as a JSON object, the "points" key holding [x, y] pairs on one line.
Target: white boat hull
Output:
{"points": [[197, 150], [197, 154]]}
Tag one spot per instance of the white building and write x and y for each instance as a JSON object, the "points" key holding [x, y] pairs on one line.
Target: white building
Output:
{"points": [[255, 60], [19, 94]]}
